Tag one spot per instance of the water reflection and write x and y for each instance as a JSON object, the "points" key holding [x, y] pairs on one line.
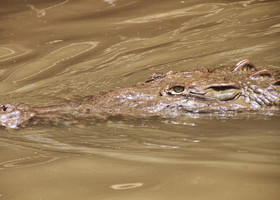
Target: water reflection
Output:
{"points": [[42, 12], [126, 186], [42, 68], [160, 143], [119, 156], [10, 52], [27, 162], [194, 11]]}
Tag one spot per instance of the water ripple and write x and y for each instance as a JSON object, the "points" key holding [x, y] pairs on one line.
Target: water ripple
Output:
{"points": [[197, 10], [27, 162]]}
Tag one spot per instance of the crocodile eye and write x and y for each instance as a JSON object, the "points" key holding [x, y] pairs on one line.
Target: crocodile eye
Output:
{"points": [[178, 89], [175, 89]]}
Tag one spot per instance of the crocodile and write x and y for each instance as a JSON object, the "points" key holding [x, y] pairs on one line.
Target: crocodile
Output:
{"points": [[221, 90]]}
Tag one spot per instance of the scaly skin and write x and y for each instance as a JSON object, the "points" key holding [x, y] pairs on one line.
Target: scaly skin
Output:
{"points": [[223, 90]]}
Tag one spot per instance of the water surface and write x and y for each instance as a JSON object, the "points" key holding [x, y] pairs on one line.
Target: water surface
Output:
{"points": [[60, 49]]}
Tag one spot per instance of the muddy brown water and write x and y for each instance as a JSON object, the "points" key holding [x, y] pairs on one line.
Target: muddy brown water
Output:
{"points": [[60, 49]]}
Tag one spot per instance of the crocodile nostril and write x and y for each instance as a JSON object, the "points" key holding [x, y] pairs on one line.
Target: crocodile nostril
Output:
{"points": [[3, 107]]}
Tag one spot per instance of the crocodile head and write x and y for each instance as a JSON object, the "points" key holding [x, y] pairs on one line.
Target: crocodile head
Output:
{"points": [[221, 90]]}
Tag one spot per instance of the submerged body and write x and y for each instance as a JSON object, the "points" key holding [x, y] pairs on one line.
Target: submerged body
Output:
{"points": [[241, 88]]}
